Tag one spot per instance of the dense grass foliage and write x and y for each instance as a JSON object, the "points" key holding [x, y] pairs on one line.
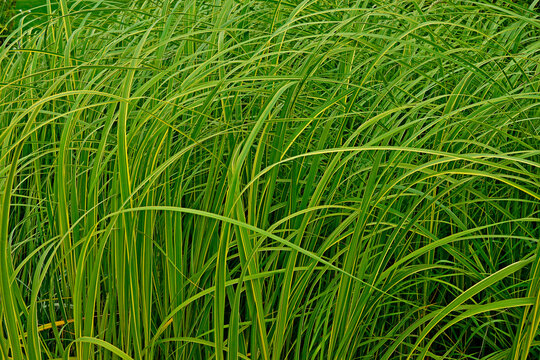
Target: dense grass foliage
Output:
{"points": [[6, 12], [253, 179]]}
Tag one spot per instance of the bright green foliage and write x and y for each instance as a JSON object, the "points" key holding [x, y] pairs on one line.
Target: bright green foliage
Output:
{"points": [[6, 12], [255, 179], [29, 4]]}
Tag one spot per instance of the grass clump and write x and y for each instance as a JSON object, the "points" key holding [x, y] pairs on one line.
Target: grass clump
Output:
{"points": [[271, 180], [6, 9]]}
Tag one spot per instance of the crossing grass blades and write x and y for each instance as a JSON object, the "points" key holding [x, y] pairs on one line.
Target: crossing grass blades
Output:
{"points": [[243, 179]]}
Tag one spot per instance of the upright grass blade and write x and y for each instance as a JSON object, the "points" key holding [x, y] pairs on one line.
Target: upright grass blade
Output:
{"points": [[270, 180]]}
